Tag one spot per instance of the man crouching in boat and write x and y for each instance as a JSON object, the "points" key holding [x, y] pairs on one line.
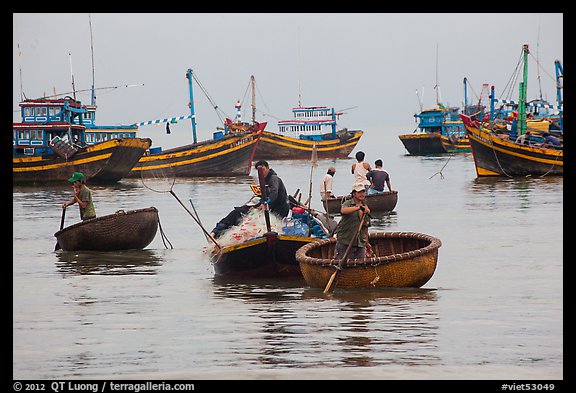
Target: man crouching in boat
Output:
{"points": [[349, 230], [277, 201], [82, 195]]}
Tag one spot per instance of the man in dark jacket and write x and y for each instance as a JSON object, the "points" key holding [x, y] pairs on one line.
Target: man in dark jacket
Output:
{"points": [[277, 201]]}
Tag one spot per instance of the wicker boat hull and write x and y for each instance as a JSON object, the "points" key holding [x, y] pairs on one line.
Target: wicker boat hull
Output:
{"points": [[402, 260], [377, 203], [133, 229]]}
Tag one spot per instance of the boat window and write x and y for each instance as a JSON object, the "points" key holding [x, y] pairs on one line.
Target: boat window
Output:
{"points": [[41, 111], [28, 111]]}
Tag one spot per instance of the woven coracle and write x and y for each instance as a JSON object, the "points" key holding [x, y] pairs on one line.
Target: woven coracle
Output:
{"points": [[123, 230], [401, 260]]}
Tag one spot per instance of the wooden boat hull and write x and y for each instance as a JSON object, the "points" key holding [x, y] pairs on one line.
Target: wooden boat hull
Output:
{"points": [[105, 162], [423, 143], [273, 146], [384, 202], [230, 155], [402, 260], [268, 256], [495, 156], [456, 145], [133, 229]]}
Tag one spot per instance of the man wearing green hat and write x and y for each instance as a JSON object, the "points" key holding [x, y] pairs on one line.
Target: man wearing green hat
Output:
{"points": [[82, 195]]}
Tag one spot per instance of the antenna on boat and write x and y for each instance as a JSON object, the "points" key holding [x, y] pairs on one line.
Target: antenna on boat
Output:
{"points": [[299, 71], [93, 101], [20, 69], [72, 73], [420, 100], [437, 86]]}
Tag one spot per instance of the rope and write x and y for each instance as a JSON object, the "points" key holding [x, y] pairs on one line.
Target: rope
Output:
{"points": [[440, 171], [163, 234]]}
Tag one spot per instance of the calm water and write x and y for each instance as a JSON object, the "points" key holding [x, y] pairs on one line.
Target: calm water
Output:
{"points": [[492, 310]]}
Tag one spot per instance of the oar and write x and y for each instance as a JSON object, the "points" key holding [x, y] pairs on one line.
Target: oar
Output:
{"points": [[264, 197], [57, 246], [343, 259]]}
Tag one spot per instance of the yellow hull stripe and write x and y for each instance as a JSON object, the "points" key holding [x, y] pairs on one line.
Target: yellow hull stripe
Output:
{"points": [[496, 141], [162, 157], [257, 241], [318, 147]]}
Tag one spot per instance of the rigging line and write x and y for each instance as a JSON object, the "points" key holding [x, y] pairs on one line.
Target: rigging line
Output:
{"points": [[216, 108], [264, 103], [512, 81], [542, 68]]}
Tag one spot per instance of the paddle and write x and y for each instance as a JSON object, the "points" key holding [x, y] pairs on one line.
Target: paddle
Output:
{"points": [[57, 246], [264, 197], [343, 259]]}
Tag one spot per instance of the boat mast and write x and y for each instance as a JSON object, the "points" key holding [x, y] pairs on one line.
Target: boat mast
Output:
{"points": [[253, 82], [522, 92], [465, 96], [72, 73], [93, 100], [191, 104], [559, 85]]}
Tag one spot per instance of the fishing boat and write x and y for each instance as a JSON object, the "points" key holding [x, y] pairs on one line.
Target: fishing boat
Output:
{"points": [[311, 125], [494, 147], [439, 131], [123, 230], [377, 203], [229, 153], [51, 142], [253, 250], [401, 260]]}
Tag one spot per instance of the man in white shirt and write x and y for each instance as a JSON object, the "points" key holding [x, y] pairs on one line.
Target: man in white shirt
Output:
{"points": [[326, 185]]}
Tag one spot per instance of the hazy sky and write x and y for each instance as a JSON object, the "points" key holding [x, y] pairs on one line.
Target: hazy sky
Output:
{"points": [[373, 63]]}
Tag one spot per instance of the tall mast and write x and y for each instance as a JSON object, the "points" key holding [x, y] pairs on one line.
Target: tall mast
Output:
{"points": [[522, 91], [253, 99], [72, 73], [93, 101], [193, 117]]}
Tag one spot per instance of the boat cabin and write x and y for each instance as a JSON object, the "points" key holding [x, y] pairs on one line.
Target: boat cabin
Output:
{"points": [[443, 120], [310, 123], [45, 121]]}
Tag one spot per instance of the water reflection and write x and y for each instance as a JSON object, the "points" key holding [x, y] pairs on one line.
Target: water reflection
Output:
{"points": [[108, 263], [500, 192], [303, 327]]}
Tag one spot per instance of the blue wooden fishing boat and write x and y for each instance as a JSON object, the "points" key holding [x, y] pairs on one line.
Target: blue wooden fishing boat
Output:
{"points": [[51, 142], [311, 125], [439, 131]]}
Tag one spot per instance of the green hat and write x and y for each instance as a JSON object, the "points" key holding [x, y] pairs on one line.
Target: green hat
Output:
{"points": [[76, 176]]}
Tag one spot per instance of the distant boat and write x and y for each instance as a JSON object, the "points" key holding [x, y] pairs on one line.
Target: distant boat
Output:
{"points": [[494, 148], [123, 230], [311, 125], [440, 131], [377, 203], [50, 143], [229, 153]]}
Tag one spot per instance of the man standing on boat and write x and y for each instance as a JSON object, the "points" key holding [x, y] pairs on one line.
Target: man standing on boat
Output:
{"points": [[326, 186], [82, 195], [353, 210], [377, 178], [277, 201], [360, 169]]}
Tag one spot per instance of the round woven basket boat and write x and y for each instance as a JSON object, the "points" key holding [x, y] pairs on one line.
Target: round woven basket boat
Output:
{"points": [[401, 260]]}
